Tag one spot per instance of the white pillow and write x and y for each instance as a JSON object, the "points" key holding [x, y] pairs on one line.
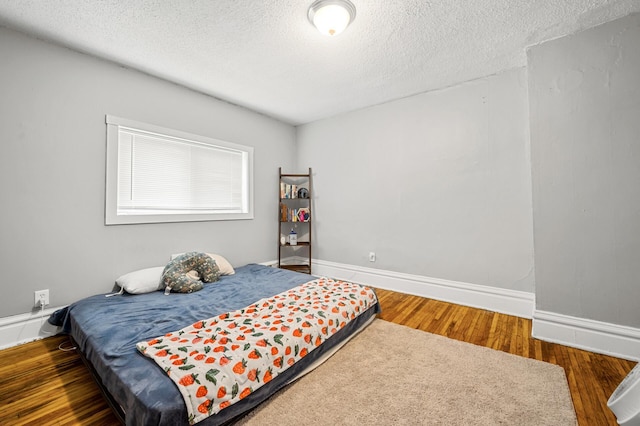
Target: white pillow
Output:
{"points": [[142, 281], [223, 264]]}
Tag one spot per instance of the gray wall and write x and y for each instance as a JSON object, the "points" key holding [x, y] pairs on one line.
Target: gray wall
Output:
{"points": [[436, 184], [585, 149], [53, 103]]}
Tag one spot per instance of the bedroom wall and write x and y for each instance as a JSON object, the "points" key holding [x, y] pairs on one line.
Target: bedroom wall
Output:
{"points": [[437, 184], [52, 173], [585, 124]]}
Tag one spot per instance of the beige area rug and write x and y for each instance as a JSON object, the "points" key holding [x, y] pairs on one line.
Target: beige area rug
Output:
{"points": [[390, 374]]}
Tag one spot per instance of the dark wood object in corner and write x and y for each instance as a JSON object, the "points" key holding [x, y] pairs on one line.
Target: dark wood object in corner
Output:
{"points": [[295, 213]]}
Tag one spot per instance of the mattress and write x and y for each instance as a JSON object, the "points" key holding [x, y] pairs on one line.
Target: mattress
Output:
{"points": [[106, 330]]}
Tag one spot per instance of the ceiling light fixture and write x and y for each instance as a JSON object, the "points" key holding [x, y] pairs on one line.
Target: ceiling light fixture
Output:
{"points": [[331, 17]]}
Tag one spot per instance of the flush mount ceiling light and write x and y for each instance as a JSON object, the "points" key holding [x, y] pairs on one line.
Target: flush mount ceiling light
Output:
{"points": [[331, 17]]}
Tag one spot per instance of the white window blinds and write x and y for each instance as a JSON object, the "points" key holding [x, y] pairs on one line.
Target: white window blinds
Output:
{"points": [[170, 176]]}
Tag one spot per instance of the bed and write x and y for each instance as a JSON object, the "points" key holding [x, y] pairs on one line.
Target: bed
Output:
{"points": [[107, 330]]}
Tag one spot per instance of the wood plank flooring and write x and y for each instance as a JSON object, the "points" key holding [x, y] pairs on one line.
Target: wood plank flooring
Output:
{"points": [[42, 385], [592, 377]]}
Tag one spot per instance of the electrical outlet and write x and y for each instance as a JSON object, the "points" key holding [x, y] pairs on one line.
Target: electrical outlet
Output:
{"points": [[41, 298], [372, 256]]}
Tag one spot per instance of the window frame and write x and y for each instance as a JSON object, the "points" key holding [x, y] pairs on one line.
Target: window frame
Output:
{"points": [[111, 192]]}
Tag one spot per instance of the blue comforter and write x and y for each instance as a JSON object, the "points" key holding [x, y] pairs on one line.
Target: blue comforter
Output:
{"points": [[106, 330]]}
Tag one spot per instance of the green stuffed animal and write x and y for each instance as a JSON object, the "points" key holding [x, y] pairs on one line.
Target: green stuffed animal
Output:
{"points": [[178, 275]]}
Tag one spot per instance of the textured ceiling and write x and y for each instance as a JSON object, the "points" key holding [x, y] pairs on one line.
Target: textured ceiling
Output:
{"points": [[266, 56]]}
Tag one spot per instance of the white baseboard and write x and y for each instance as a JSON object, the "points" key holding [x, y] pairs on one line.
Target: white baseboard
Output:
{"points": [[511, 302], [18, 329], [594, 336]]}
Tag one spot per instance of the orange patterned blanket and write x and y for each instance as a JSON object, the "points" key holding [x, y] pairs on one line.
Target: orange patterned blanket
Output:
{"points": [[218, 361]]}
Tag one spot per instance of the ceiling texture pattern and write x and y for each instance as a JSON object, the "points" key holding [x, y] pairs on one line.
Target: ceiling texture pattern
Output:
{"points": [[266, 56]]}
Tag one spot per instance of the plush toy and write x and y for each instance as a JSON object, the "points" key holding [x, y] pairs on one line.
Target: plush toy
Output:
{"points": [[179, 274]]}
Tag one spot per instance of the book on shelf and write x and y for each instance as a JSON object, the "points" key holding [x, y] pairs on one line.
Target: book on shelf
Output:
{"points": [[288, 191], [302, 214]]}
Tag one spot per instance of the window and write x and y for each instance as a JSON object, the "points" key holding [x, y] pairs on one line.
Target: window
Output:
{"points": [[161, 175]]}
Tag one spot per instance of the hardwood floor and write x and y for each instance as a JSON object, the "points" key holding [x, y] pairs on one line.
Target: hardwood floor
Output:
{"points": [[592, 377], [42, 385]]}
